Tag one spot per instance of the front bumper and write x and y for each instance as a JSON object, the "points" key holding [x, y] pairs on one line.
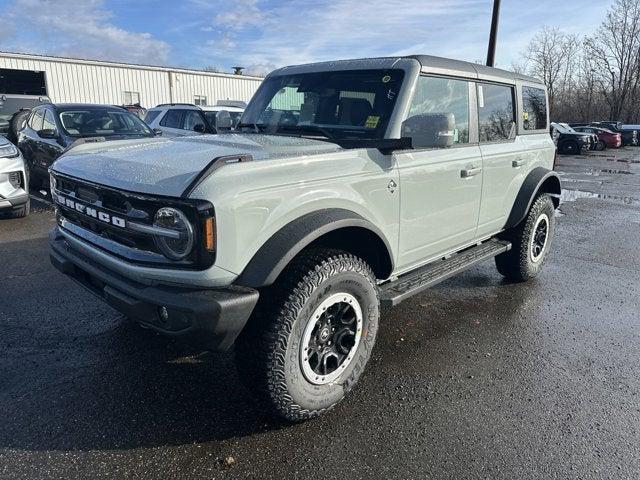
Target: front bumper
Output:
{"points": [[212, 318], [11, 195]]}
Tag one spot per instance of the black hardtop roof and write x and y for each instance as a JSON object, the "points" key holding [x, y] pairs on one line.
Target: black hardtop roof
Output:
{"points": [[472, 69], [440, 65]]}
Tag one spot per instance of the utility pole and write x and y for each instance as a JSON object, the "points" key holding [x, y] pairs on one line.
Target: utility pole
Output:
{"points": [[491, 52]]}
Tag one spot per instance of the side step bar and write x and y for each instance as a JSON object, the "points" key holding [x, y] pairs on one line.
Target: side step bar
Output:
{"points": [[418, 280]]}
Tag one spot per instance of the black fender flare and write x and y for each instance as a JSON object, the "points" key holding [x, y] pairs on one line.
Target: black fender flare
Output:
{"points": [[540, 179], [276, 253]]}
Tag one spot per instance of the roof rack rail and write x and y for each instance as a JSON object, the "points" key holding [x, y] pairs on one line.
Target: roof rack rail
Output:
{"points": [[174, 104]]}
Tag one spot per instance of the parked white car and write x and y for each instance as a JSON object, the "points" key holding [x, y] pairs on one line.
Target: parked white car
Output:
{"points": [[180, 119], [14, 194]]}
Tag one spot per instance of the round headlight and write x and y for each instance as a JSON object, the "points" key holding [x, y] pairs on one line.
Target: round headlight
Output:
{"points": [[174, 236]]}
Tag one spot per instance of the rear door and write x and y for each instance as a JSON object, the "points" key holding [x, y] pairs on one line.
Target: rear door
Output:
{"points": [[171, 123], [440, 187], [502, 154]]}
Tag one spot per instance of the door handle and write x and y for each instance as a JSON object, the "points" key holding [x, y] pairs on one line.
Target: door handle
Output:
{"points": [[518, 163], [470, 172]]}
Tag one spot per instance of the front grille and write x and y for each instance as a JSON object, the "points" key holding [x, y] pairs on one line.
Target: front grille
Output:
{"points": [[15, 179], [105, 217]]}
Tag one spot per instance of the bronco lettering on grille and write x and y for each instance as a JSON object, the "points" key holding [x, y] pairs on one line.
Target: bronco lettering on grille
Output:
{"points": [[90, 212]]}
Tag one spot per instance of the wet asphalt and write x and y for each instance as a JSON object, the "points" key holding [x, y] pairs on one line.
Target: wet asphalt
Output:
{"points": [[476, 378]]}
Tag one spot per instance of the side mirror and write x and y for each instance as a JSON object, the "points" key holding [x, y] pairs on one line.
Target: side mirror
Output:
{"points": [[430, 130], [48, 133], [223, 121], [157, 131]]}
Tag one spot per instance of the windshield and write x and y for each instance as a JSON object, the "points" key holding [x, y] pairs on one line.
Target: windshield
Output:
{"points": [[566, 128], [90, 122], [354, 104]]}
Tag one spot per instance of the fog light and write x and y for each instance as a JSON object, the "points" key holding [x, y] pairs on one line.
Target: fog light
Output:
{"points": [[164, 314]]}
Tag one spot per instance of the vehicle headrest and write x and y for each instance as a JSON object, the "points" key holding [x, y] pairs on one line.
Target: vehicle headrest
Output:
{"points": [[354, 111]]}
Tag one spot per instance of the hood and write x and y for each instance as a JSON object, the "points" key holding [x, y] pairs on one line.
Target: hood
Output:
{"points": [[167, 166]]}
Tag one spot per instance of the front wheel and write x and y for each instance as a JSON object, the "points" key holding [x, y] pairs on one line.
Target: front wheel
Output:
{"points": [[600, 146], [569, 148], [312, 334], [531, 241]]}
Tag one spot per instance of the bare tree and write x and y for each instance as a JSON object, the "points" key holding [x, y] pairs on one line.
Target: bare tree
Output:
{"points": [[615, 49], [550, 56]]}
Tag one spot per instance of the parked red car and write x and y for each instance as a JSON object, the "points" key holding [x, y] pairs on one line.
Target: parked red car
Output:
{"points": [[606, 138]]}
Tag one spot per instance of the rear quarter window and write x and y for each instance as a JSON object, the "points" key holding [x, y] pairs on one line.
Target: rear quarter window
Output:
{"points": [[534, 108], [151, 116]]}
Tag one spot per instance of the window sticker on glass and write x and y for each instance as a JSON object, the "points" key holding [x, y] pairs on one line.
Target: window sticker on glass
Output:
{"points": [[372, 121]]}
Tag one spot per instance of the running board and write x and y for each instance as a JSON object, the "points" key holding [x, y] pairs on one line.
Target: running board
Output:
{"points": [[418, 280]]}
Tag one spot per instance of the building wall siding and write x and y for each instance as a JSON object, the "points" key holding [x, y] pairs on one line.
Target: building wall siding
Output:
{"points": [[83, 81]]}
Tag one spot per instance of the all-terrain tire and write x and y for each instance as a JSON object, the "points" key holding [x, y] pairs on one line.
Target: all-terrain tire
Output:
{"points": [[527, 255], [269, 350]]}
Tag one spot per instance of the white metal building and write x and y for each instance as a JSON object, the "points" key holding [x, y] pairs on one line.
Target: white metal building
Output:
{"points": [[90, 81]]}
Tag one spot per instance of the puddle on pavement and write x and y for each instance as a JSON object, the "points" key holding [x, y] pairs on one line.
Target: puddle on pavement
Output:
{"points": [[597, 171], [573, 195]]}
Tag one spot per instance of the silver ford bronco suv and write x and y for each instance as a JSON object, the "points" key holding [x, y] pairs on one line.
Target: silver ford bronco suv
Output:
{"points": [[348, 185]]}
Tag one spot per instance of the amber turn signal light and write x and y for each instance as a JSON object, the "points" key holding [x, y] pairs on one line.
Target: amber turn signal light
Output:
{"points": [[209, 234]]}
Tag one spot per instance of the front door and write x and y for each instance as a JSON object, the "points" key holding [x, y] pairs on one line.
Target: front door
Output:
{"points": [[440, 187]]}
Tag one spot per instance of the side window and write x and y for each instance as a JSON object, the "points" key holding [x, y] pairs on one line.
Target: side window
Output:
{"points": [[534, 111], [439, 112], [496, 113], [36, 120], [191, 119], [151, 116], [172, 119], [49, 121]]}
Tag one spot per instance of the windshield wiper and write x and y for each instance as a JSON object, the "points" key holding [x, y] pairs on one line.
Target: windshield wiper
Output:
{"points": [[314, 129], [256, 126]]}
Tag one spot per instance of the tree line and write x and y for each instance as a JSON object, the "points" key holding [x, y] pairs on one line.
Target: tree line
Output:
{"points": [[594, 77]]}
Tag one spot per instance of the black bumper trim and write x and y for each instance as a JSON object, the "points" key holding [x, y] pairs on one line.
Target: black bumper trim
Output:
{"points": [[212, 318], [16, 201]]}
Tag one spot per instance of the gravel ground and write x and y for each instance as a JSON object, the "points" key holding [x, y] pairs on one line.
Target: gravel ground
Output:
{"points": [[475, 378]]}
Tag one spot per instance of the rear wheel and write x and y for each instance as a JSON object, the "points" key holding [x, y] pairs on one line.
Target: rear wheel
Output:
{"points": [[600, 146], [531, 242], [311, 334]]}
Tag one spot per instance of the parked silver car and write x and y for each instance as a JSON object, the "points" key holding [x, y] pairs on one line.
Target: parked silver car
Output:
{"points": [[14, 195]]}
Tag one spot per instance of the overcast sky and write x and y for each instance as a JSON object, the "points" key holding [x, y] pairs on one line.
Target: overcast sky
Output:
{"points": [[264, 34]]}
